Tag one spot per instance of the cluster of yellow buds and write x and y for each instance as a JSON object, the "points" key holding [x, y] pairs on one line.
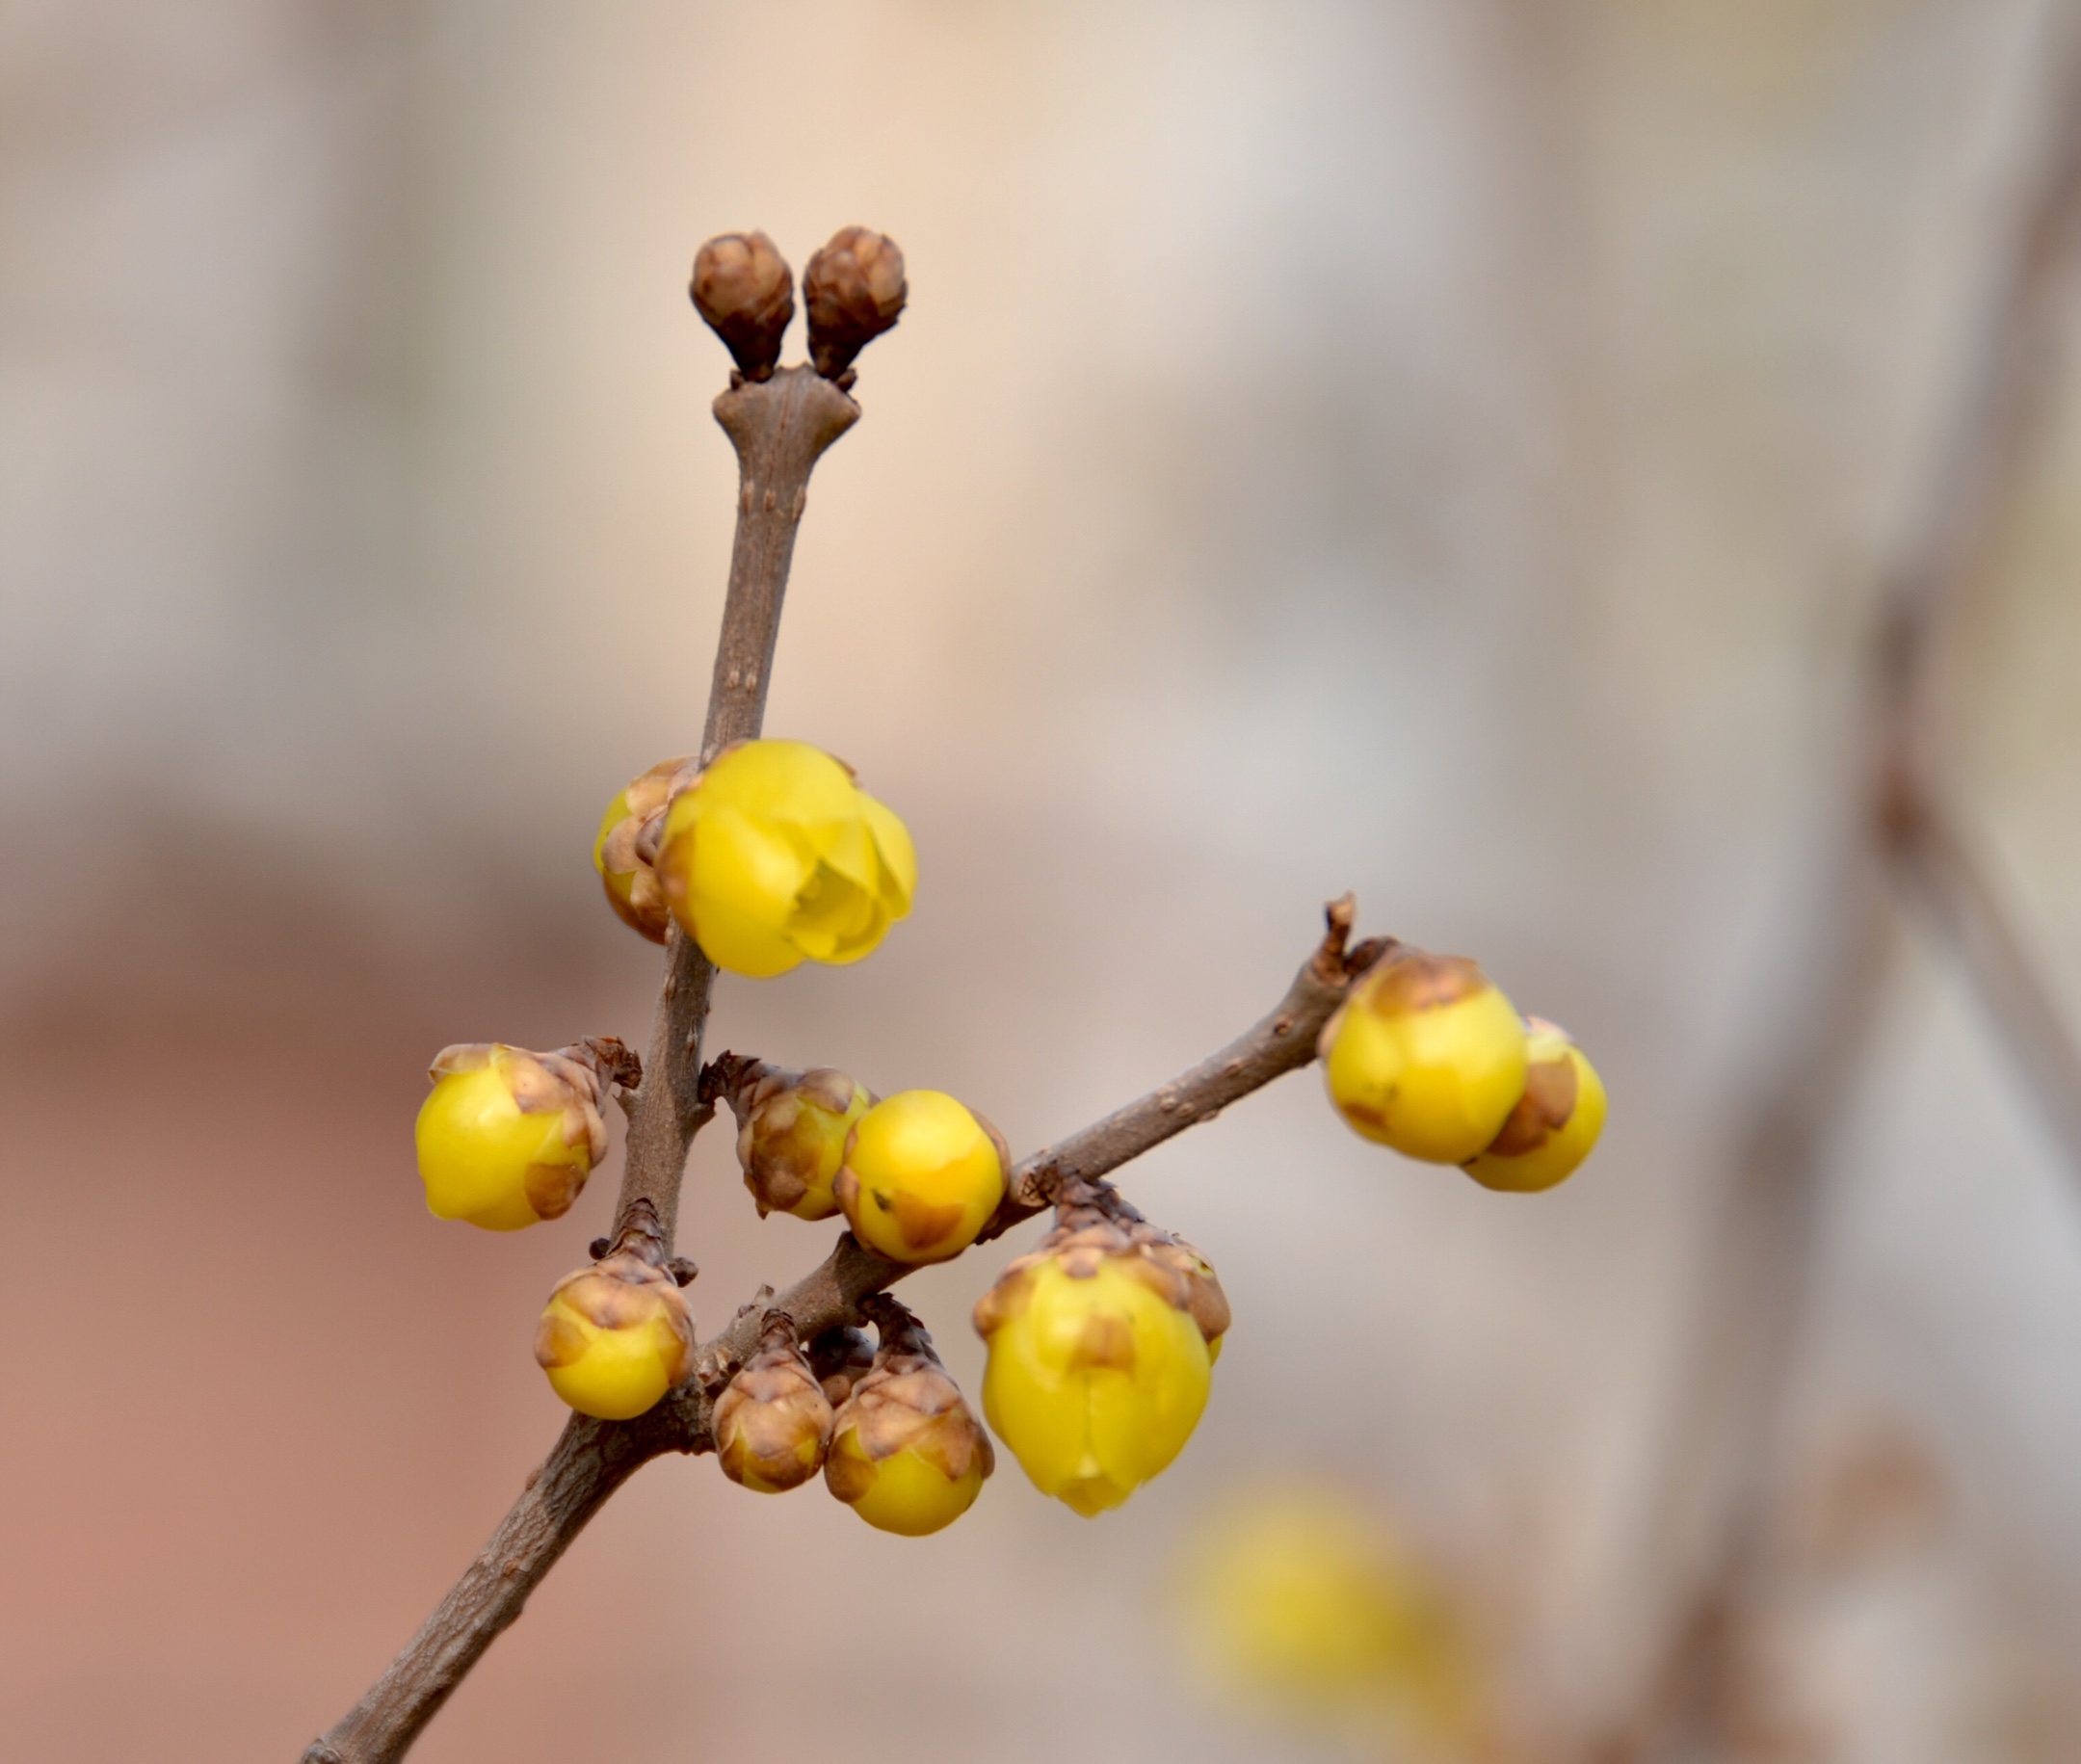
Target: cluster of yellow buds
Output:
{"points": [[773, 1423], [906, 1453], [792, 1130], [615, 1337], [921, 1176], [1429, 1057], [768, 855], [507, 1137], [1101, 1351]]}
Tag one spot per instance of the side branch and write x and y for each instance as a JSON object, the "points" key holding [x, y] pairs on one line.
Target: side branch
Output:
{"points": [[1282, 1042]]}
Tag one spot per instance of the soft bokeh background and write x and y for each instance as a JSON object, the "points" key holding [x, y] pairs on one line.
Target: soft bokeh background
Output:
{"points": [[1440, 448]]}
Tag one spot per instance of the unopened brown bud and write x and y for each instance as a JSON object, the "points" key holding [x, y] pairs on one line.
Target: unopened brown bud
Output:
{"points": [[854, 290], [743, 287], [772, 1424], [791, 1131]]}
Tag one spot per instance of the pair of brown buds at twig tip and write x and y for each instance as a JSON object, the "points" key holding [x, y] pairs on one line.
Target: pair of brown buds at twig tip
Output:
{"points": [[854, 289]]}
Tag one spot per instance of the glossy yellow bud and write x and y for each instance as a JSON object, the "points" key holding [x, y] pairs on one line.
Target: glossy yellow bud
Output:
{"points": [[1556, 1122], [625, 850], [1426, 1055], [773, 854], [906, 1454], [922, 1176], [615, 1337], [1099, 1367], [772, 1424], [508, 1137], [791, 1132]]}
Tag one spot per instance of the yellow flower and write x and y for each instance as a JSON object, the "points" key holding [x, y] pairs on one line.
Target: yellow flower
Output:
{"points": [[1556, 1122], [906, 1454], [792, 1131], [1426, 1055], [626, 845], [773, 854], [922, 1176], [508, 1137], [615, 1337], [772, 1424], [1101, 1352]]}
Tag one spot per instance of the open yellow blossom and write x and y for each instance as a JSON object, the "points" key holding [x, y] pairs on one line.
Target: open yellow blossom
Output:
{"points": [[615, 1337], [1426, 1055], [507, 1137], [1101, 1352], [1556, 1122], [922, 1176], [773, 854]]}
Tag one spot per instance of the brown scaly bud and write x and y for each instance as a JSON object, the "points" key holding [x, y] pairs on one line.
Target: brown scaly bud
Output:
{"points": [[772, 1424], [743, 289], [624, 852], [615, 1337], [840, 1358], [791, 1129], [906, 1454], [854, 290]]}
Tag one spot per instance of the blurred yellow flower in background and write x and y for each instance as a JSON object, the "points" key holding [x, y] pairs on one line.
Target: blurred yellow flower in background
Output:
{"points": [[1297, 1601]]}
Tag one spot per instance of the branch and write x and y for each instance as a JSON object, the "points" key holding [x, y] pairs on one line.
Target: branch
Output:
{"points": [[592, 1459], [1934, 865], [780, 428], [1709, 1522]]}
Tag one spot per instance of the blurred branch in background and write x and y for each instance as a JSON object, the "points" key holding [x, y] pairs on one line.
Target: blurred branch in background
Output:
{"points": [[1899, 830]]}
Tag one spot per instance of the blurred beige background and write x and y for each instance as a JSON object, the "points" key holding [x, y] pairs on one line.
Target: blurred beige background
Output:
{"points": [[1438, 448]]}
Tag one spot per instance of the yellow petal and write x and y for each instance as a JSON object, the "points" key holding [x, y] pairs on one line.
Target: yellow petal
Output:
{"points": [[781, 780], [899, 857], [740, 944], [747, 865]]}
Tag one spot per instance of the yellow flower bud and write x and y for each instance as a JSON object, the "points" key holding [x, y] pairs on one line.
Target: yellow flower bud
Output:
{"points": [[772, 1424], [1426, 1055], [922, 1176], [906, 1454], [508, 1137], [1101, 1352], [773, 854], [615, 1337], [625, 850], [791, 1131], [1556, 1122]]}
